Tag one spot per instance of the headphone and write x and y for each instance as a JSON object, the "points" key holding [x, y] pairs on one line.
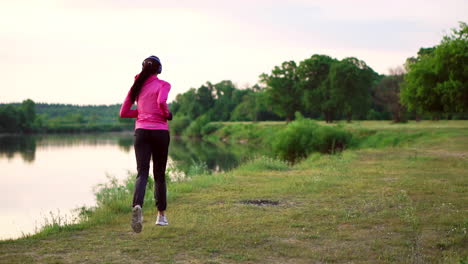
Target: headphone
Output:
{"points": [[152, 57]]}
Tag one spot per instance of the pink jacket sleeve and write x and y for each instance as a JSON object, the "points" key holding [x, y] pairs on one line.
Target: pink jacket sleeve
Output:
{"points": [[126, 111], [162, 98]]}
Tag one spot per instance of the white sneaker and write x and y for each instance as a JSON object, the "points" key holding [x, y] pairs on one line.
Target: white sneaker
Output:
{"points": [[137, 219], [161, 220]]}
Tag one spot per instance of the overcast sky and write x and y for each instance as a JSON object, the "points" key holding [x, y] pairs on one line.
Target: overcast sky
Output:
{"points": [[88, 51]]}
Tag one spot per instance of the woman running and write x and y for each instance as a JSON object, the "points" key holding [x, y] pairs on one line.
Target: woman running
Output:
{"points": [[151, 136]]}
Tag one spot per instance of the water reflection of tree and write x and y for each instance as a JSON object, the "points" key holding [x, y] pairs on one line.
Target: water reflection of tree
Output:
{"points": [[184, 153], [88, 139], [218, 157], [25, 145], [125, 143]]}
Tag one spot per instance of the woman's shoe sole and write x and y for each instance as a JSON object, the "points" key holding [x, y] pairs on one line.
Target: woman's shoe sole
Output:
{"points": [[136, 223]]}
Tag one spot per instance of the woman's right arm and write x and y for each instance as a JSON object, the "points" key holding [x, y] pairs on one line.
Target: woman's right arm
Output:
{"points": [[126, 111]]}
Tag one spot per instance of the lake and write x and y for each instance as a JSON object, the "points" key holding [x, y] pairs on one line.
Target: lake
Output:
{"points": [[44, 174]]}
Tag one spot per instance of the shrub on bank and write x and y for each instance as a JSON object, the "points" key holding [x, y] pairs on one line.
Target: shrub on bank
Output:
{"points": [[179, 124], [304, 136], [194, 130], [210, 128], [332, 139]]}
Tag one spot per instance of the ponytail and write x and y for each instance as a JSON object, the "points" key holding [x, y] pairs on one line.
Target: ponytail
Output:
{"points": [[150, 67]]}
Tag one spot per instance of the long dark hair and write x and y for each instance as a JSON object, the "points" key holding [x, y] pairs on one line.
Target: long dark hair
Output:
{"points": [[150, 67]]}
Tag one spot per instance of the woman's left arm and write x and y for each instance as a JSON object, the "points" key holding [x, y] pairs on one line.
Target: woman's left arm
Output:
{"points": [[126, 111]]}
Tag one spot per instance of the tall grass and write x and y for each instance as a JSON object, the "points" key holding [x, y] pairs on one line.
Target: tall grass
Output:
{"points": [[56, 222], [116, 197]]}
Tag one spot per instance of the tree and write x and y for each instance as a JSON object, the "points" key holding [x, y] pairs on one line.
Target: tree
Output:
{"points": [[245, 110], [312, 73], [186, 104], [9, 119], [348, 87], [283, 89], [387, 93], [227, 98], [204, 98], [29, 109], [437, 80], [28, 115], [215, 101], [18, 117]]}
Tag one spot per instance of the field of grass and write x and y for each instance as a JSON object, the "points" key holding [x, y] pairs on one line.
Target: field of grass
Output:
{"points": [[401, 201]]}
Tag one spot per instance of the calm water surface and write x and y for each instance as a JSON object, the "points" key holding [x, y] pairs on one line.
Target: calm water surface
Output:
{"points": [[58, 173]]}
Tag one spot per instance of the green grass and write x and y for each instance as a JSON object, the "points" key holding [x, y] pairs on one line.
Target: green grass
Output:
{"points": [[391, 203]]}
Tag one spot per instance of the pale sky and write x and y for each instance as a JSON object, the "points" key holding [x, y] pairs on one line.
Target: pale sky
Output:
{"points": [[88, 51]]}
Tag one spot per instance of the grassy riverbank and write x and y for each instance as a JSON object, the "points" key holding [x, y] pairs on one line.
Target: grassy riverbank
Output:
{"points": [[398, 196]]}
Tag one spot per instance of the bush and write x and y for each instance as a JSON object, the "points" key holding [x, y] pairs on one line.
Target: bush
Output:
{"points": [[194, 130], [179, 124], [210, 128], [198, 168], [332, 139], [304, 136], [226, 131], [374, 115]]}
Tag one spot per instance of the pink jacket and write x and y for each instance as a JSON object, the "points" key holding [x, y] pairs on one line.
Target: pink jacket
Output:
{"points": [[152, 111]]}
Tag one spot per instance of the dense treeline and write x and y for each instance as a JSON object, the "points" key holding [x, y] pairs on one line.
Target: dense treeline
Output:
{"points": [[437, 79], [27, 117], [433, 85], [63, 113], [319, 87]]}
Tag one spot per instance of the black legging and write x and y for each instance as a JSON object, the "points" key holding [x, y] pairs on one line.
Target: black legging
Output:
{"points": [[151, 143]]}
